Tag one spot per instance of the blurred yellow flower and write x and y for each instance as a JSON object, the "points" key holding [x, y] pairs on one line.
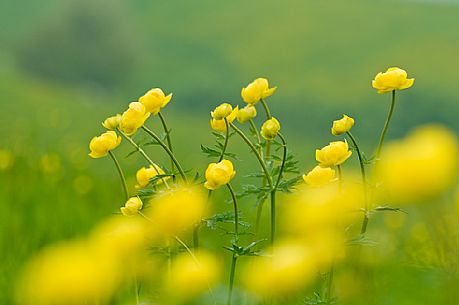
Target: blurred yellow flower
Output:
{"points": [[177, 210], [219, 174], [247, 113], [144, 175], [133, 118], [222, 111], [270, 128], [6, 159], [154, 100], [101, 145], [132, 206], [112, 122], [257, 90], [421, 166], [319, 176], [342, 126], [219, 125], [393, 79], [333, 154]]}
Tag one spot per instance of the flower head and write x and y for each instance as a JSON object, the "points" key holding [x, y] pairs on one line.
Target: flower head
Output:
{"points": [[112, 122], [319, 176], [333, 154], [219, 174], [257, 90], [342, 126], [247, 113], [393, 79], [270, 128], [154, 100], [144, 175], [133, 118], [132, 206], [101, 145], [222, 111], [220, 125]]}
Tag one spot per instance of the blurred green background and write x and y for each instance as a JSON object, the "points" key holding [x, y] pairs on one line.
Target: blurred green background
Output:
{"points": [[66, 65]]}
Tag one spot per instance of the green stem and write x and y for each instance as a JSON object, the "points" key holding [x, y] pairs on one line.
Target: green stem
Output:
{"points": [[386, 125], [236, 213], [136, 287], [120, 172], [328, 296], [254, 127], [168, 151], [265, 106], [168, 138], [222, 154], [231, 279]]}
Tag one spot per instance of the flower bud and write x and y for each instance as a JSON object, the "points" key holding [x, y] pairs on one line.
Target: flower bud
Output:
{"points": [[154, 100], [270, 128], [393, 79], [133, 118], [112, 122], [219, 174], [132, 206], [342, 126], [247, 113], [220, 125], [101, 145], [319, 176], [144, 175], [222, 111], [333, 154], [257, 90]]}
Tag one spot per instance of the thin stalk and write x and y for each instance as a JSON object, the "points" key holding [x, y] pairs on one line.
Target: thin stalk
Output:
{"points": [[328, 295], [222, 154], [386, 125], [254, 127], [120, 172], [265, 106], [136, 287], [236, 234], [168, 138], [168, 151], [231, 280], [236, 213]]}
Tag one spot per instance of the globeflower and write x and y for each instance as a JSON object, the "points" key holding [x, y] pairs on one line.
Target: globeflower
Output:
{"points": [[270, 128], [319, 176], [101, 145], [220, 125], [333, 154], [112, 122], [133, 118], [222, 111], [132, 206], [257, 90], [393, 79], [219, 174], [342, 126], [247, 113], [144, 175], [154, 100]]}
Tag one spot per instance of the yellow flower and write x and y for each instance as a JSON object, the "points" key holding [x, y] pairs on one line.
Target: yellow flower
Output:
{"points": [[144, 175], [270, 128], [319, 176], [333, 154], [222, 111], [154, 100], [133, 118], [112, 122], [247, 113], [132, 206], [219, 125], [101, 145], [419, 167], [219, 174], [257, 90], [393, 79], [342, 126], [176, 210]]}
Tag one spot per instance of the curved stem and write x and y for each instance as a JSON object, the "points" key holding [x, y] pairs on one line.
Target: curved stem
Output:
{"points": [[254, 127], [236, 213], [386, 125], [231, 280], [284, 158], [168, 138], [222, 154], [236, 233], [120, 172], [265, 106], [168, 151]]}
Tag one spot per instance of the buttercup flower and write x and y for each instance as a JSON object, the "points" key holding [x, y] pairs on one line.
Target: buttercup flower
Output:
{"points": [[222, 111], [112, 122], [319, 176], [333, 154], [144, 175], [247, 113], [257, 90], [101, 145], [154, 100], [270, 128], [342, 126], [393, 79], [133, 118], [132, 206], [219, 174], [220, 125]]}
